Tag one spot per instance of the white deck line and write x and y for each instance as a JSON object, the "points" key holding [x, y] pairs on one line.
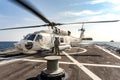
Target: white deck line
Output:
{"points": [[101, 65], [8, 61], [85, 64], [34, 60], [84, 50], [23, 59], [46, 61], [108, 52], [87, 71]]}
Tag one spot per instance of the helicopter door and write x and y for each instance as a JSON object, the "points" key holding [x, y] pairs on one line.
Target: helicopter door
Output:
{"points": [[61, 40], [39, 41], [38, 38]]}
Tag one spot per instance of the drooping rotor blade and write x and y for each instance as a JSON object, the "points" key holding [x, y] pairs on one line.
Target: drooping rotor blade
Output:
{"points": [[32, 9], [24, 27], [90, 22]]}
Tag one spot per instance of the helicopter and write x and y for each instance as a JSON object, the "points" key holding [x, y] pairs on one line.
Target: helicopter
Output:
{"points": [[44, 39]]}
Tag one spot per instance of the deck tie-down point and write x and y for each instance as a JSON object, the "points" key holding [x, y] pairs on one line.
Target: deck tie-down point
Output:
{"points": [[53, 71]]}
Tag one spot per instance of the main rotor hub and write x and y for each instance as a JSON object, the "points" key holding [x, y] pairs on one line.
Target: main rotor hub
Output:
{"points": [[52, 24]]}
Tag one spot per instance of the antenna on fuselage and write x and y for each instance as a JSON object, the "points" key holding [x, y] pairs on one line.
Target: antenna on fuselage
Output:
{"points": [[82, 32]]}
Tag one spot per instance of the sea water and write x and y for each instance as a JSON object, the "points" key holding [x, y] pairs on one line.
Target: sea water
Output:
{"points": [[10, 44], [6, 44]]}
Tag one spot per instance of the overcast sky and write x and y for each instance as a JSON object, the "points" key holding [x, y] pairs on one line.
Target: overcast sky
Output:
{"points": [[11, 15]]}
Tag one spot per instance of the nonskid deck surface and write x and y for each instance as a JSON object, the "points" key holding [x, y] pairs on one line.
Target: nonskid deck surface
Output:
{"points": [[88, 62]]}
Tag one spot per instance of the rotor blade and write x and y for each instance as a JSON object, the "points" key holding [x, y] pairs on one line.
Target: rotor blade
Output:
{"points": [[90, 22], [32, 9], [24, 27]]}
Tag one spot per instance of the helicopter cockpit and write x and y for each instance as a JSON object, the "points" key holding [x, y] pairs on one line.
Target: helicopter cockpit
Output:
{"points": [[30, 37], [33, 37]]}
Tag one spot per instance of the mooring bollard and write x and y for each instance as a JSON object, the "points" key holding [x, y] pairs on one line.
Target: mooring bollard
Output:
{"points": [[53, 71]]}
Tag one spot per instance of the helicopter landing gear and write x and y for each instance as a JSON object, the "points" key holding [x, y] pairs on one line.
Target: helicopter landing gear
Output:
{"points": [[53, 50]]}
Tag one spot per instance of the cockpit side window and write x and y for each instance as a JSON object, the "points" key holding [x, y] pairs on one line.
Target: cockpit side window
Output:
{"points": [[61, 40], [38, 38], [30, 37]]}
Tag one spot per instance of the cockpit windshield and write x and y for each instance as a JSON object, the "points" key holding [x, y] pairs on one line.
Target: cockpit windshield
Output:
{"points": [[30, 37]]}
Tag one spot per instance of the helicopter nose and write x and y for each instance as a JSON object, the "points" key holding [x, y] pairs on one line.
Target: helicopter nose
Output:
{"points": [[29, 45]]}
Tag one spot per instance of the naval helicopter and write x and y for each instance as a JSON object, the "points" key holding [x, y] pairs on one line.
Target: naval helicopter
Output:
{"points": [[44, 39]]}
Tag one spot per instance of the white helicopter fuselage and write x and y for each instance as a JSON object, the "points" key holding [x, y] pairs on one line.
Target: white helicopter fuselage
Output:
{"points": [[42, 41]]}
